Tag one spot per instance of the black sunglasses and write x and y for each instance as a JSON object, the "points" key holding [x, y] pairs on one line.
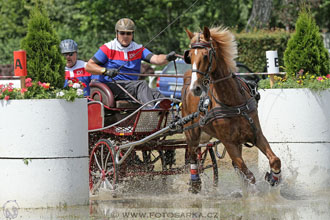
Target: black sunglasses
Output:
{"points": [[68, 54], [125, 33]]}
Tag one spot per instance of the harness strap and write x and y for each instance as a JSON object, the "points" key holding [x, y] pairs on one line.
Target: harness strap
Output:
{"points": [[228, 111], [221, 112], [198, 71]]}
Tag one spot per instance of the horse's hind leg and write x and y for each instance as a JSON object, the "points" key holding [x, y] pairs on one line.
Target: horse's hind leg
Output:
{"points": [[235, 153], [274, 176]]}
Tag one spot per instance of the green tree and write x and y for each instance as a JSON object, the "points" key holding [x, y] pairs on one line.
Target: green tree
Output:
{"points": [[44, 60], [13, 17], [305, 49]]}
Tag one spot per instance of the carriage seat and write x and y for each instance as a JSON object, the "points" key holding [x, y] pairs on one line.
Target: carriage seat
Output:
{"points": [[101, 92]]}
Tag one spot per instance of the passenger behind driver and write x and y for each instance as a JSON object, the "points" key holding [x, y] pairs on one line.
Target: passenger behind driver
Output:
{"points": [[74, 68]]}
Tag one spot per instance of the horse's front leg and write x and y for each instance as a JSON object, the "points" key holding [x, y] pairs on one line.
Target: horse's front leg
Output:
{"points": [[192, 139], [235, 153], [274, 176], [195, 180]]}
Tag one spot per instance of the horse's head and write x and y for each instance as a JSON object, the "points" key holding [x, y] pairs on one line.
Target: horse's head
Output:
{"points": [[204, 55], [201, 56]]}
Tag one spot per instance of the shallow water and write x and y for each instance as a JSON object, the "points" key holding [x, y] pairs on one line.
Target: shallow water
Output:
{"points": [[148, 198]]}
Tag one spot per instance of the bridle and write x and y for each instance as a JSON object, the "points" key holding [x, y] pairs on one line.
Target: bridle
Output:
{"points": [[211, 54]]}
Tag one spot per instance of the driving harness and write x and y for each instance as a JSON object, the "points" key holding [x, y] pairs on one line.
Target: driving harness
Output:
{"points": [[223, 110]]}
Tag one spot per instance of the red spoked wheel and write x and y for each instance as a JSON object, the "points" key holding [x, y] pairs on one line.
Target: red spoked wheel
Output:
{"points": [[103, 172]]}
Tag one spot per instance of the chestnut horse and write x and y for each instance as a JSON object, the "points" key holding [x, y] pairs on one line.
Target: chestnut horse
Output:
{"points": [[227, 109]]}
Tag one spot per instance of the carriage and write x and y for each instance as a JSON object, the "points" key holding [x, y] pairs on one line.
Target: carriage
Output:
{"points": [[214, 101], [127, 140]]}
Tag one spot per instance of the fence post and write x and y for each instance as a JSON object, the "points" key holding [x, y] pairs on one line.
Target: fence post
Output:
{"points": [[272, 65]]}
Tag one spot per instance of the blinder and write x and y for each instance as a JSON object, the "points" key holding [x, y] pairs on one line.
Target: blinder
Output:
{"points": [[186, 57]]}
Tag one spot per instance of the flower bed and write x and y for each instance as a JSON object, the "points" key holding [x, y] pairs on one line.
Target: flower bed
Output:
{"points": [[39, 90], [301, 81]]}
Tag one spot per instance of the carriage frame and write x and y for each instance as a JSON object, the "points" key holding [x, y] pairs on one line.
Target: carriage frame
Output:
{"points": [[126, 140]]}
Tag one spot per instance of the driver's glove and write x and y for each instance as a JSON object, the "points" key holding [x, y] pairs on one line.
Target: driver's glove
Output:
{"points": [[110, 72], [171, 56]]}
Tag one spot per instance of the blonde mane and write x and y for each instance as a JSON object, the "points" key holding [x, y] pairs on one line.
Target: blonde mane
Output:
{"points": [[225, 45]]}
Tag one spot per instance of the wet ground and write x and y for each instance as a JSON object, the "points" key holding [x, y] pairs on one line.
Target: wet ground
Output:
{"points": [[149, 198]]}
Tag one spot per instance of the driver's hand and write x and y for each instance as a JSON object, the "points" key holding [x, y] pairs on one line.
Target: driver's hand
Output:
{"points": [[171, 56], [110, 72]]}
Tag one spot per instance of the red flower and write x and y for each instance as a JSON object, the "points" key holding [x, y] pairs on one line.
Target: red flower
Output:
{"points": [[320, 78], [328, 76], [83, 84], [28, 82], [23, 90], [73, 79], [7, 97], [45, 85]]}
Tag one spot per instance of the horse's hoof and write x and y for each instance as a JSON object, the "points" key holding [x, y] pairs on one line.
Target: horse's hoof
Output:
{"points": [[195, 186], [273, 178]]}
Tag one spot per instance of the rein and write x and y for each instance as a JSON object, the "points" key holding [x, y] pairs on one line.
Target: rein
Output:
{"points": [[231, 75]]}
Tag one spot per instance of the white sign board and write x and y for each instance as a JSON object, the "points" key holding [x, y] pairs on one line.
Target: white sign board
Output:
{"points": [[272, 61], [16, 82]]}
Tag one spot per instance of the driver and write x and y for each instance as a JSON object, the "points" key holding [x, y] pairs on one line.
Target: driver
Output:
{"points": [[124, 52]]}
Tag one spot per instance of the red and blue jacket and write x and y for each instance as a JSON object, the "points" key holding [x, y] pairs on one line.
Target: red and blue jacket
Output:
{"points": [[114, 55], [78, 71]]}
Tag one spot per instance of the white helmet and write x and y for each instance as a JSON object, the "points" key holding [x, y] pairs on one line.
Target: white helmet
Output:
{"points": [[68, 46]]}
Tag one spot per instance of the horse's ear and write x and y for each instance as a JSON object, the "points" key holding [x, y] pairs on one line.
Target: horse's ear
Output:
{"points": [[206, 33], [190, 34]]}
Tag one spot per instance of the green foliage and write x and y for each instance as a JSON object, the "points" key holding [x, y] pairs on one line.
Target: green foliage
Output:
{"points": [[91, 23], [322, 15], [13, 18], [252, 47], [26, 161], [7, 47], [44, 60], [305, 49]]}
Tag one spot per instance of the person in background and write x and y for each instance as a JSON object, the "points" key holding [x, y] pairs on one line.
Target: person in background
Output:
{"points": [[124, 55], [74, 68]]}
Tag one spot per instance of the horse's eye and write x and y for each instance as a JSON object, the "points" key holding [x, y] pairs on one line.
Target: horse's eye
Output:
{"points": [[205, 57]]}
